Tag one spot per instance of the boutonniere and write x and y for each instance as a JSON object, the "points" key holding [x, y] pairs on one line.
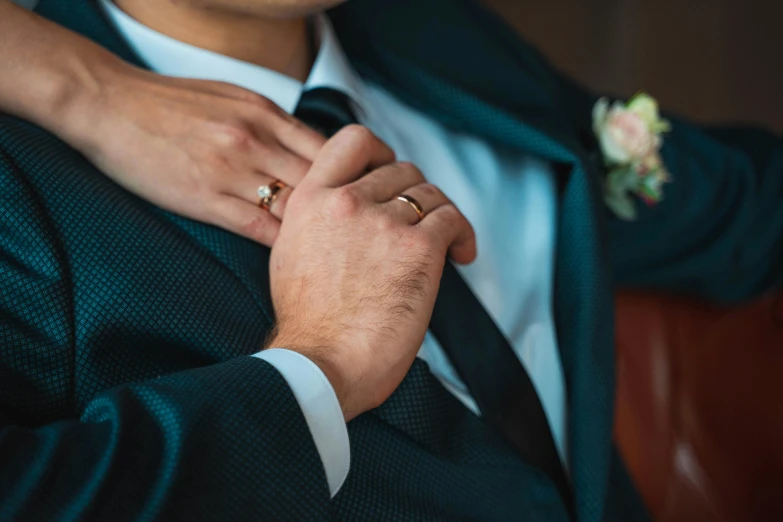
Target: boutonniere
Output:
{"points": [[630, 136]]}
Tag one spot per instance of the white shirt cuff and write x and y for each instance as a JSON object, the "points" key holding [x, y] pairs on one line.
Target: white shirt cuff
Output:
{"points": [[320, 408]]}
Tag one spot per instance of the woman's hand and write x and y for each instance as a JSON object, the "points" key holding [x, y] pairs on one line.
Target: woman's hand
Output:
{"points": [[197, 148]]}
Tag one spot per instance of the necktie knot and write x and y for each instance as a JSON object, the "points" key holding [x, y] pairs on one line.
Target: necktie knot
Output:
{"points": [[325, 110]]}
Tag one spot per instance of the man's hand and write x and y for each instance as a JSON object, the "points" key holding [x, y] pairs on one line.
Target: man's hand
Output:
{"points": [[354, 273]]}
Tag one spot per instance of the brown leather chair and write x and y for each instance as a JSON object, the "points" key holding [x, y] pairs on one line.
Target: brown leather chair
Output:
{"points": [[699, 411]]}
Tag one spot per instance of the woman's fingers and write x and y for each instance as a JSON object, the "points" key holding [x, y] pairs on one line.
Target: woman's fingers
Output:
{"points": [[202, 149], [299, 138], [246, 219], [281, 164], [293, 145], [246, 187]]}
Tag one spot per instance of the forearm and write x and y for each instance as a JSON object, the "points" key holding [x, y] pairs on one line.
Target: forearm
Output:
{"points": [[46, 71]]}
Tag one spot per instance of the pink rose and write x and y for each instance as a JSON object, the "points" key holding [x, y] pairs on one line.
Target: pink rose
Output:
{"points": [[626, 137], [630, 137]]}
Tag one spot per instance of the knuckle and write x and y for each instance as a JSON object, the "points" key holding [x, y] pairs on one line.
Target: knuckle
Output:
{"points": [[411, 168], [358, 133], [431, 191], [450, 216], [236, 135], [343, 203]]}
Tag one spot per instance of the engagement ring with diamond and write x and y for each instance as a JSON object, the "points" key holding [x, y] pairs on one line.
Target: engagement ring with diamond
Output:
{"points": [[268, 193]]}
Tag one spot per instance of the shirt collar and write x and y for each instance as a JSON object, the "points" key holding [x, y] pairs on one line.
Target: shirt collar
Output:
{"points": [[171, 57]]}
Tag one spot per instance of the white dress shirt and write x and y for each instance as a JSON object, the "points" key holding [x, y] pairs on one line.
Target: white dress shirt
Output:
{"points": [[509, 198]]}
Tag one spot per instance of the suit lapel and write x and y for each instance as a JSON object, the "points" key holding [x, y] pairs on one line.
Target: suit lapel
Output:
{"points": [[455, 61], [435, 51], [245, 259]]}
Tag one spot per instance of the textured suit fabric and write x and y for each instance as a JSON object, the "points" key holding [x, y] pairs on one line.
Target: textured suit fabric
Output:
{"points": [[123, 395]]}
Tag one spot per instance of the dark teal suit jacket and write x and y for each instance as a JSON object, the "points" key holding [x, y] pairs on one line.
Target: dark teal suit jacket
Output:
{"points": [[125, 390]]}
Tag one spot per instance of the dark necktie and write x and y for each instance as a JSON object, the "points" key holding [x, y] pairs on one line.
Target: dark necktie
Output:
{"points": [[479, 351], [325, 110]]}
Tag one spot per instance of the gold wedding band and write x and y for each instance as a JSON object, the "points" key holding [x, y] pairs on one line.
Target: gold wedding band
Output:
{"points": [[267, 194], [413, 203]]}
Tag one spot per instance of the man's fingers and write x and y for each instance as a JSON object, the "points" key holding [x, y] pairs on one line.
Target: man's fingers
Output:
{"points": [[347, 157], [388, 182], [427, 197], [245, 219], [451, 228]]}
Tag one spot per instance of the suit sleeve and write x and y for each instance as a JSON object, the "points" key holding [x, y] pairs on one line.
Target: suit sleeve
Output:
{"points": [[224, 442], [718, 234]]}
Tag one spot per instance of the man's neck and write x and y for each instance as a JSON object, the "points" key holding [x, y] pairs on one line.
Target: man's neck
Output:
{"points": [[282, 45]]}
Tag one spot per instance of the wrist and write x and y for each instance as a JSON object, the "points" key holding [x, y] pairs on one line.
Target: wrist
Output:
{"points": [[323, 356], [77, 103], [50, 75]]}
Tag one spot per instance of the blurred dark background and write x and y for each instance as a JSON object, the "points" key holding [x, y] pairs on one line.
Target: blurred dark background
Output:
{"points": [[698, 449], [711, 60]]}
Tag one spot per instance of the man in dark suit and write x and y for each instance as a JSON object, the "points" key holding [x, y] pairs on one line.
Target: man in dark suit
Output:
{"points": [[128, 391]]}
